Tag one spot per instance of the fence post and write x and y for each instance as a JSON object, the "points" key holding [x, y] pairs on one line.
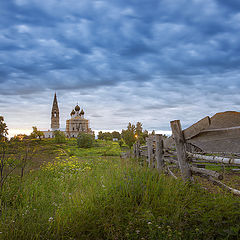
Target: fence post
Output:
{"points": [[137, 149], [181, 150], [150, 151], [159, 152], [134, 150]]}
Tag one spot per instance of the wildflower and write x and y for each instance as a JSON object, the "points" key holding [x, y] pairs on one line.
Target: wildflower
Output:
{"points": [[50, 219], [137, 231], [149, 223]]}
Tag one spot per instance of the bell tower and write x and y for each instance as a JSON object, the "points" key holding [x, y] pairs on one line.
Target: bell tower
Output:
{"points": [[55, 115]]}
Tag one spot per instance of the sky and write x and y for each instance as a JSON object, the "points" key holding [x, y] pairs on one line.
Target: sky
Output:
{"points": [[122, 61]]}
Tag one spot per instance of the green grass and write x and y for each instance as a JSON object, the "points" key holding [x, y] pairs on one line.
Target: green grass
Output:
{"points": [[98, 197]]}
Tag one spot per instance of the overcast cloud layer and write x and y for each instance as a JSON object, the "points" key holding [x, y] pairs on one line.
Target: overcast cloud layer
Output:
{"points": [[126, 60]]}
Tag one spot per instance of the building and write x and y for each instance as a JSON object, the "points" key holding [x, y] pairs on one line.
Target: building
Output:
{"points": [[75, 125]]}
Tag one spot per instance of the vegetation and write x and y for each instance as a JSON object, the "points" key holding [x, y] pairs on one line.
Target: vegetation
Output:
{"points": [[85, 140], [81, 194], [109, 136], [59, 137], [36, 133], [3, 129]]}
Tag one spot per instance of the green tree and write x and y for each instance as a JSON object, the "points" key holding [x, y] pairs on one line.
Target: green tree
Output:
{"points": [[3, 130], [107, 136], [140, 134], [129, 135], [59, 137], [100, 135], [116, 134], [36, 133], [85, 140], [120, 142]]}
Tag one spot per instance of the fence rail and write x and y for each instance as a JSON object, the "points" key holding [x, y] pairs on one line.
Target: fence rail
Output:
{"points": [[186, 149]]}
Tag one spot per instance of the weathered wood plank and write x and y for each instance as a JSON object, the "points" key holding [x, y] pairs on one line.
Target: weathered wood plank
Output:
{"points": [[215, 159], [159, 152], [196, 128], [168, 142], [220, 184], [181, 150], [218, 140], [206, 172], [150, 151], [217, 134]]}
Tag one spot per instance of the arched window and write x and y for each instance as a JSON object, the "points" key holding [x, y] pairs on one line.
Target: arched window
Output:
{"points": [[55, 114]]}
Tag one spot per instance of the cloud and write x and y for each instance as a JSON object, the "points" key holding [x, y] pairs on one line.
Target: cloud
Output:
{"points": [[125, 60]]}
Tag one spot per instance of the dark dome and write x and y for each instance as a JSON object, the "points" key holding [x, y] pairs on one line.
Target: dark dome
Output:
{"points": [[77, 108], [82, 112], [73, 112]]}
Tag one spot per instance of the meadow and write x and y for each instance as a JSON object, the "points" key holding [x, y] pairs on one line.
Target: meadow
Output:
{"points": [[73, 193]]}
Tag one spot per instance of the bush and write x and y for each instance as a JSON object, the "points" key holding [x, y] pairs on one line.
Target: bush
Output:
{"points": [[85, 140], [59, 137]]}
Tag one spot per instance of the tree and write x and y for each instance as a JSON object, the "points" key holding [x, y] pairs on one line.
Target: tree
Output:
{"points": [[120, 142], [105, 136], [59, 137], [116, 134], [100, 135], [85, 140], [36, 133], [3, 130], [129, 135]]}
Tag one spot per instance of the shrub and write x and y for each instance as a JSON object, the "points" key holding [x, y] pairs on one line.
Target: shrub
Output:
{"points": [[85, 140], [59, 137]]}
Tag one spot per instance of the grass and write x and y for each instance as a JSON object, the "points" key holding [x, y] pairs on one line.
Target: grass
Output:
{"points": [[82, 194]]}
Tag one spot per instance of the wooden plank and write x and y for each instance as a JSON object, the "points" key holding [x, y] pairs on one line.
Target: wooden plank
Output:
{"points": [[222, 185], [196, 128], [181, 150], [159, 152], [168, 142], [150, 151], [218, 140], [215, 159], [217, 134], [207, 172]]}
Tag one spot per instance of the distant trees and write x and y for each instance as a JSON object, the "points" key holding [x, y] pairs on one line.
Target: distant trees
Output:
{"points": [[36, 133], [116, 135], [3, 130], [109, 136], [59, 137], [134, 133], [85, 140], [128, 135]]}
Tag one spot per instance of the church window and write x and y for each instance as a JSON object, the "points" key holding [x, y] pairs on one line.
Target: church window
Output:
{"points": [[55, 114]]}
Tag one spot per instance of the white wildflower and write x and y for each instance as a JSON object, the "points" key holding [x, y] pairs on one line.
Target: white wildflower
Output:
{"points": [[50, 219]]}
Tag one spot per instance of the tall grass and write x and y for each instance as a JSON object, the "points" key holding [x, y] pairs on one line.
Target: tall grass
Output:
{"points": [[103, 198]]}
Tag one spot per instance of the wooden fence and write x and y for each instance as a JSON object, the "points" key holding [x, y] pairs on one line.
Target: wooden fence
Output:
{"points": [[213, 140]]}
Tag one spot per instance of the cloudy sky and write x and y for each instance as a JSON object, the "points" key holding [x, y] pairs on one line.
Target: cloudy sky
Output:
{"points": [[122, 60]]}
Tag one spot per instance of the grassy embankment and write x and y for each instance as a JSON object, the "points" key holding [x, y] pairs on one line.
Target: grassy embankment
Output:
{"points": [[93, 194]]}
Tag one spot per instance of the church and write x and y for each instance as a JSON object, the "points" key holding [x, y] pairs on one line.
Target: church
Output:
{"points": [[75, 125]]}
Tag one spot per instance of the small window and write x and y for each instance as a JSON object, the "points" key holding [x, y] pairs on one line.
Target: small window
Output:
{"points": [[55, 114]]}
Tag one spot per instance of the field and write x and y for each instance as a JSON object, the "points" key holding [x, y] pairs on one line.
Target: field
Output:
{"points": [[72, 193]]}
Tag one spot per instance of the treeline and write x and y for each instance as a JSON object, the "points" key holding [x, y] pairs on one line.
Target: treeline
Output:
{"points": [[128, 136]]}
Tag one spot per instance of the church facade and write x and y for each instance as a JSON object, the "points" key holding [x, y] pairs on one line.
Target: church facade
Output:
{"points": [[75, 125]]}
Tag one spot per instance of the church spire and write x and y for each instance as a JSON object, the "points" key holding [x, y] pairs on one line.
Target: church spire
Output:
{"points": [[55, 114]]}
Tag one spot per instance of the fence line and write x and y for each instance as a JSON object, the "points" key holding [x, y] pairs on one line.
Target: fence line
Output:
{"points": [[179, 151]]}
